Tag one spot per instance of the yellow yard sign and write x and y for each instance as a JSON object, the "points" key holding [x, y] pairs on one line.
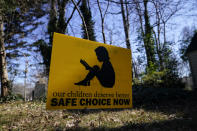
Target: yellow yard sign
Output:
{"points": [[87, 74]]}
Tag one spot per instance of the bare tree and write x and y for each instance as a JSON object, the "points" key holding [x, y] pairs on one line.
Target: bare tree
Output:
{"points": [[146, 31], [164, 11], [3, 63], [125, 18], [102, 15], [82, 18]]}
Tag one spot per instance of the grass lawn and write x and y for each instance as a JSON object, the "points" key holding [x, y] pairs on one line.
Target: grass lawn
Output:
{"points": [[154, 109]]}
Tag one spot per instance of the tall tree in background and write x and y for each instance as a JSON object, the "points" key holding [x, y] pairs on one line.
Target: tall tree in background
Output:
{"points": [[87, 15], [57, 23], [148, 38], [102, 15], [146, 32], [15, 16], [163, 12], [125, 18], [45, 48], [3, 63]]}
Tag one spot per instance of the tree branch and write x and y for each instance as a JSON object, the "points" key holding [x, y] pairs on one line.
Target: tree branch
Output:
{"points": [[82, 18], [67, 22]]}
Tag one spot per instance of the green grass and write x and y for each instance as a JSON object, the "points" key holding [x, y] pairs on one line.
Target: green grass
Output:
{"points": [[154, 109]]}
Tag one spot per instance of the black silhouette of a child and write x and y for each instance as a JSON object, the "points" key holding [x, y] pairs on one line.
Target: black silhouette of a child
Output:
{"points": [[105, 75]]}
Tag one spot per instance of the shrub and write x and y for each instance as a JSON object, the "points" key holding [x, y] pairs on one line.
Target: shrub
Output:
{"points": [[11, 97], [158, 79]]}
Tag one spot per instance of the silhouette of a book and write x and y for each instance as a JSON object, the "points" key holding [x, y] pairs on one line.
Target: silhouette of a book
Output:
{"points": [[83, 62]]}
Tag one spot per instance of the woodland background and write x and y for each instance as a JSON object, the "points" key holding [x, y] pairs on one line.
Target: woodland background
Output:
{"points": [[158, 33]]}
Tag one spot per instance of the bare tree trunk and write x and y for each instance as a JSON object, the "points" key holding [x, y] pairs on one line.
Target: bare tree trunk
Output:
{"points": [[103, 19], [3, 64], [125, 17], [159, 49], [164, 32], [135, 69], [157, 36], [138, 9]]}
